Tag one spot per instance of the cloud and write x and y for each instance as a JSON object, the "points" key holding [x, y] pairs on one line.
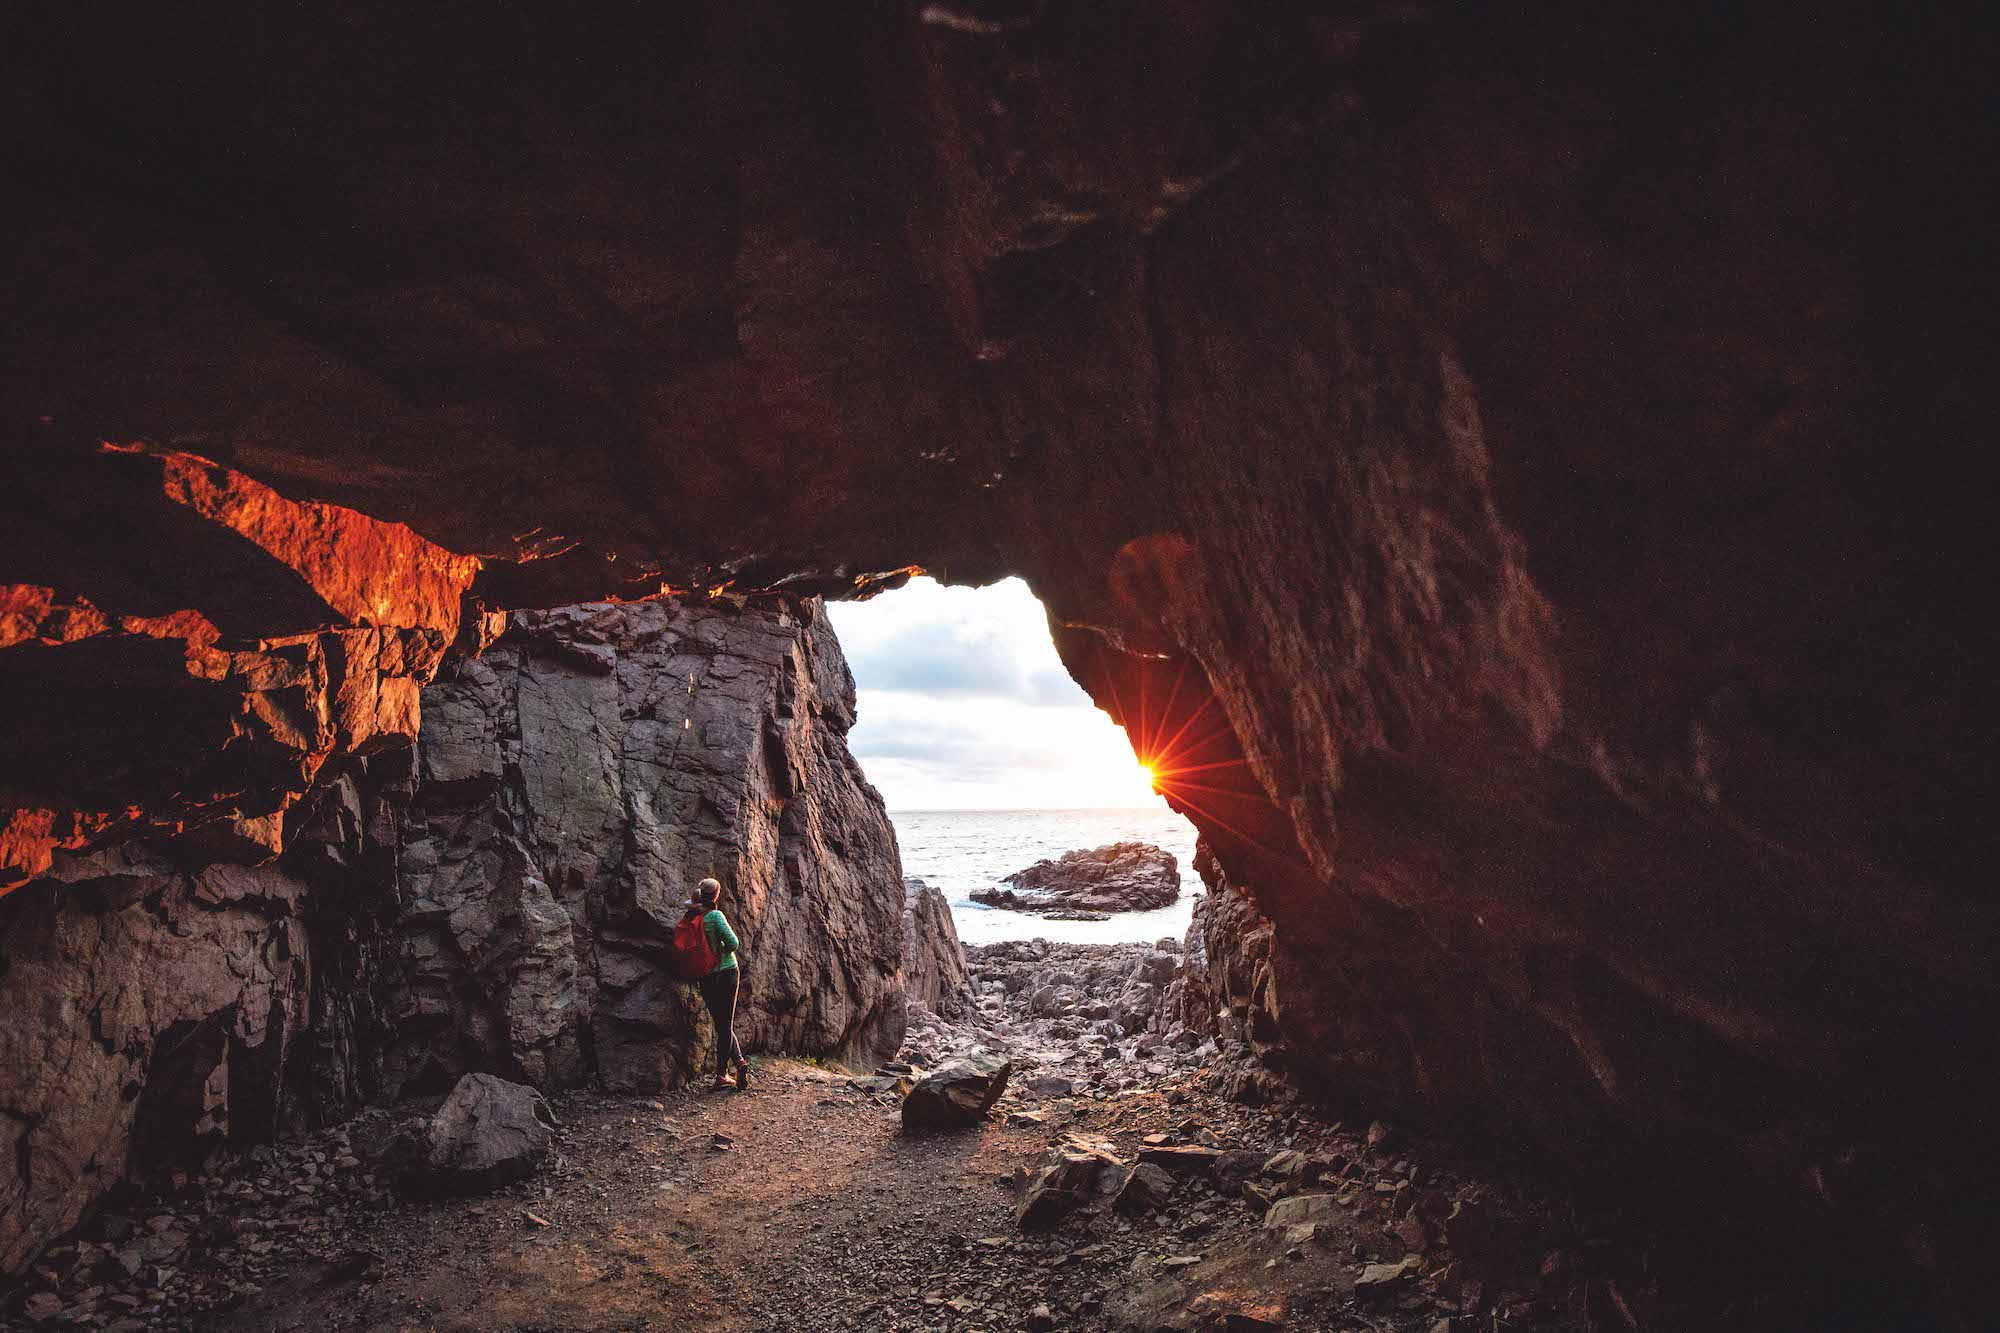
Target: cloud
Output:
{"points": [[964, 704], [943, 642]]}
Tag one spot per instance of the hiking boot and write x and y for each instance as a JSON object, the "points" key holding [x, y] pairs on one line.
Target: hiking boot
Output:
{"points": [[721, 1084], [742, 1075]]}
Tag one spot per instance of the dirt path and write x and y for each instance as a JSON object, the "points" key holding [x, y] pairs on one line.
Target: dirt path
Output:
{"points": [[819, 1213]]}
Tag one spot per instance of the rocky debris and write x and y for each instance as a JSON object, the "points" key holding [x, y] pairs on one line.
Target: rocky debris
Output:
{"points": [[1089, 885], [488, 1133], [577, 780], [854, 1252], [934, 968], [1184, 1208], [1081, 1168], [1111, 991], [958, 1094], [197, 1242]]}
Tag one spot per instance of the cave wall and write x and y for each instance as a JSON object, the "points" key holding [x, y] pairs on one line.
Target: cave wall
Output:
{"points": [[1542, 450], [168, 1001], [498, 897], [182, 648], [575, 782]]}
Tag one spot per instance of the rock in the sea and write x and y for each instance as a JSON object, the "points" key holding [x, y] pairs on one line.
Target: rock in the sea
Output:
{"points": [[934, 967], [488, 1133], [958, 1094], [1120, 877]]}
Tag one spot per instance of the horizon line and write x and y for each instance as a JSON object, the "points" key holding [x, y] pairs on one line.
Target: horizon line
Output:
{"points": [[1032, 810]]}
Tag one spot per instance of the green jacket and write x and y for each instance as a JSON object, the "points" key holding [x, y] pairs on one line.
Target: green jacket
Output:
{"points": [[721, 939]]}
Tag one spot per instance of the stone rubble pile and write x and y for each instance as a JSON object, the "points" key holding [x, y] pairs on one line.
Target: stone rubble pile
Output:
{"points": [[208, 1240], [1184, 1186]]}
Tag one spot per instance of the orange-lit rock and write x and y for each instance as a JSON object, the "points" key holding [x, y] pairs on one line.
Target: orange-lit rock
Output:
{"points": [[225, 643]]}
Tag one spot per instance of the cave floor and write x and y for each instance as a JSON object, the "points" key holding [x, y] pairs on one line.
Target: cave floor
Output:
{"points": [[820, 1213]]}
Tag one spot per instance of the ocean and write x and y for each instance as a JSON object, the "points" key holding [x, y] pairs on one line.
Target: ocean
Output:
{"points": [[957, 851]]}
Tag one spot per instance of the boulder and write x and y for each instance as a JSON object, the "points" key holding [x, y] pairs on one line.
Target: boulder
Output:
{"points": [[958, 1094], [1146, 1188], [1191, 1159], [488, 1133], [1302, 1208], [1051, 1194], [1086, 885], [1383, 1277], [1079, 1169]]}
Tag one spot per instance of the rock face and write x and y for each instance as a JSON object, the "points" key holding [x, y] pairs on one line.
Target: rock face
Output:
{"points": [[1514, 477], [934, 969], [1091, 884], [1229, 987], [156, 1012], [184, 647], [488, 1133], [498, 899], [576, 781]]}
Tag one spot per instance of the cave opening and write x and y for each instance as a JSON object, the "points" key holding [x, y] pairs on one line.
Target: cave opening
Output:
{"points": [[1521, 469], [991, 758]]}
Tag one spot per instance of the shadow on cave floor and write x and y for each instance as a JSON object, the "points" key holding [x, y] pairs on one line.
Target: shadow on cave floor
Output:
{"points": [[804, 1205], [822, 1213]]}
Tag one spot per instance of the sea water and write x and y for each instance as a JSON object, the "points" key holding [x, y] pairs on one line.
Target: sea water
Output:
{"points": [[957, 851]]}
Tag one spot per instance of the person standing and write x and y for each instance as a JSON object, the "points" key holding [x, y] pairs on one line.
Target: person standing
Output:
{"points": [[719, 988]]}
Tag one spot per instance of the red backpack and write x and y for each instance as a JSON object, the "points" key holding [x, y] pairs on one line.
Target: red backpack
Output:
{"points": [[692, 958]]}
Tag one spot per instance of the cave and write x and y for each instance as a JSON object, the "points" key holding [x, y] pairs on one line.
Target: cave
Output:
{"points": [[1529, 463]]}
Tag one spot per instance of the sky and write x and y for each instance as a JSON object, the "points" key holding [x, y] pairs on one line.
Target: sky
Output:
{"points": [[964, 705]]}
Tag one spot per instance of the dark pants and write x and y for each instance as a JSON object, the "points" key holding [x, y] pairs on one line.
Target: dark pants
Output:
{"points": [[718, 992]]}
